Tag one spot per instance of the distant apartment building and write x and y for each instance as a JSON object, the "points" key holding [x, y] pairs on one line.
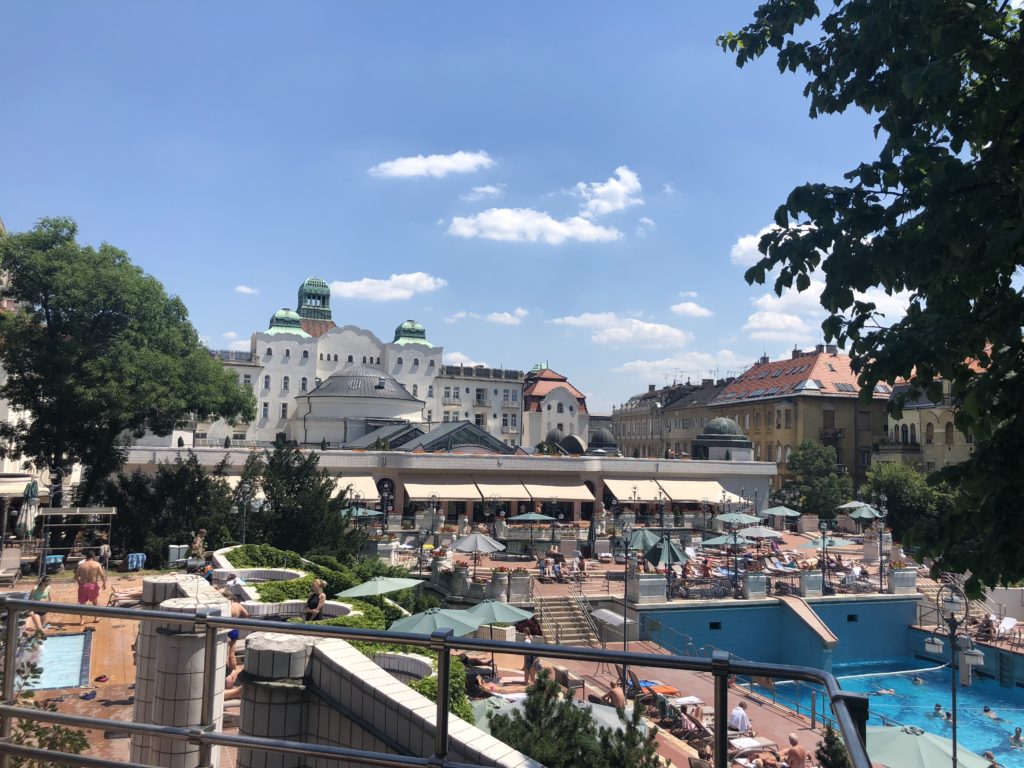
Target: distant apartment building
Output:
{"points": [[553, 408], [809, 396], [924, 436], [664, 422]]}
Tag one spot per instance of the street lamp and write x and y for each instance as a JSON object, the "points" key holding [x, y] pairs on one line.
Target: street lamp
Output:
{"points": [[627, 530], [952, 600], [553, 509], [704, 504], [823, 528], [880, 525]]}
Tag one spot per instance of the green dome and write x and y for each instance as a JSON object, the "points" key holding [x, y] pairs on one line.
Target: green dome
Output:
{"points": [[411, 332], [315, 299], [723, 427], [286, 321], [315, 282]]}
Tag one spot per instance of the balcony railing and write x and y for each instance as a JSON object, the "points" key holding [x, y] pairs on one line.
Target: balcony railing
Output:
{"points": [[832, 434], [510, 404], [849, 709], [481, 402], [451, 401]]}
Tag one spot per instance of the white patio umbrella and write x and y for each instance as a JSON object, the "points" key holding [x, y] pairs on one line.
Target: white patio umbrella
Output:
{"points": [[477, 542]]}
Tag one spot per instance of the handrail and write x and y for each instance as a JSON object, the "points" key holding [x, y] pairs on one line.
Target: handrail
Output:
{"points": [[850, 709], [585, 607]]}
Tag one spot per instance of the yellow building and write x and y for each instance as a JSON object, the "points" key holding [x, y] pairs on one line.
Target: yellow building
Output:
{"points": [[924, 436], [810, 396]]}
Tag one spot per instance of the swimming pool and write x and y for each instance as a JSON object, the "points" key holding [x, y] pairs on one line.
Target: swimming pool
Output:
{"points": [[65, 661], [913, 704]]}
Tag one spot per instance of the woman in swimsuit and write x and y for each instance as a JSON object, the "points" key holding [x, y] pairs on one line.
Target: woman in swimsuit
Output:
{"points": [[37, 620], [315, 601]]}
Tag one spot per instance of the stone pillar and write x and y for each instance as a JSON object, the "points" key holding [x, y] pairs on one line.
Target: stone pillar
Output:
{"points": [[274, 695]]}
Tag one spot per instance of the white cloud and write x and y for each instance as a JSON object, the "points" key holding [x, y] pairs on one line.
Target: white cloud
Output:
{"points": [[484, 192], [794, 302], [229, 335], [240, 346], [609, 328], [615, 194], [247, 290], [688, 365], [689, 294], [403, 286], [435, 166], [460, 315], [526, 225], [744, 251], [642, 225], [514, 317], [691, 309], [668, 188], [457, 358], [779, 326]]}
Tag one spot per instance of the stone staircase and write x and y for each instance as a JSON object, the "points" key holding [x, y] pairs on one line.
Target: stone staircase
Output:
{"points": [[928, 613], [563, 623]]}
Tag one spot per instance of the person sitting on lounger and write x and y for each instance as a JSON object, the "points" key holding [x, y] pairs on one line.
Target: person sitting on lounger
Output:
{"points": [[615, 697], [557, 570], [738, 719]]}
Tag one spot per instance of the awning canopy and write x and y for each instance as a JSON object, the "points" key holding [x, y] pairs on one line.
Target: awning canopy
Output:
{"points": [[14, 485], [510, 489], [363, 484], [561, 490], [698, 490], [646, 490], [445, 489]]}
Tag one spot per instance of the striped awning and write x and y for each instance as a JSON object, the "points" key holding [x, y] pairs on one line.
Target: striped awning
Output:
{"points": [[363, 484], [646, 490], [694, 491], [565, 490]]}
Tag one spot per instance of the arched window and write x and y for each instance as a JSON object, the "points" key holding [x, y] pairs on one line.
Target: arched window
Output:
{"points": [[378, 361], [415, 361], [305, 354], [364, 359], [949, 434], [287, 353], [904, 434], [350, 358], [913, 434], [270, 352], [266, 382], [757, 451], [429, 365], [321, 355], [929, 434], [415, 390], [284, 384], [778, 453], [304, 384], [560, 408], [789, 450], [399, 361]]}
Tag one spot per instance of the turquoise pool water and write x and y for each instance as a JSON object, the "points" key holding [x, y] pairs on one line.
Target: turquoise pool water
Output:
{"points": [[913, 704], [65, 661]]}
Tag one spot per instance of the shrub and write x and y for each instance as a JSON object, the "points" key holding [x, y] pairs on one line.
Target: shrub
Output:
{"points": [[279, 591]]}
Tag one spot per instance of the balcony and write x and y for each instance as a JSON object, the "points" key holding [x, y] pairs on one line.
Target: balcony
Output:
{"points": [[832, 434], [481, 402], [510, 430], [514, 404], [889, 447], [451, 401]]}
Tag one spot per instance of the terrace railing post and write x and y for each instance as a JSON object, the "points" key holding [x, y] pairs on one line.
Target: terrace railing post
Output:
{"points": [[10, 663], [720, 661], [439, 642], [857, 707], [210, 683]]}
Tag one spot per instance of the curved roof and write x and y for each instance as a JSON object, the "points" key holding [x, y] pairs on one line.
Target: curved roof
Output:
{"points": [[602, 437], [574, 444], [554, 437], [362, 381], [316, 282], [286, 321], [411, 332], [722, 427]]}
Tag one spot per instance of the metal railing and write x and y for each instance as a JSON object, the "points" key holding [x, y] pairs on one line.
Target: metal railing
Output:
{"points": [[585, 608], [850, 710]]}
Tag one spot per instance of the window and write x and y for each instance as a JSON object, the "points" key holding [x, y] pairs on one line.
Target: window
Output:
{"points": [[913, 434], [400, 361], [757, 420], [266, 382], [447, 393], [480, 420], [336, 358], [415, 390], [864, 457], [270, 352], [285, 384], [789, 418], [305, 354], [949, 434], [247, 380], [514, 419], [560, 408], [431, 364], [415, 361], [515, 396], [504, 419], [904, 434], [350, 358], [364, 359], [929, 434], [778, 418], [238, 435], [287, 353], [430, 391], [430, 416], [561, 427], [321, 355], [445, 417], [266, 410], [304, 384], [284, 410], [317, 381]]}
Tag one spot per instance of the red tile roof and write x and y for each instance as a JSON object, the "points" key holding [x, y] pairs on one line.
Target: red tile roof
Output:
{"points": [[539, 384], [821, 374], [317, 327]]}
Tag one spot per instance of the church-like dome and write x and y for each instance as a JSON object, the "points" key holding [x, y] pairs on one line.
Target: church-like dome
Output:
{"points": [[286, 321], [315, 282], [362, 381], [411, 332], [602, 438], [574, 445], [555, 437], [722, 427]]}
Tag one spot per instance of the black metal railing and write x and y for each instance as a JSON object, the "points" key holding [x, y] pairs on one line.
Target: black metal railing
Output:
{"points": [[850, 710]]}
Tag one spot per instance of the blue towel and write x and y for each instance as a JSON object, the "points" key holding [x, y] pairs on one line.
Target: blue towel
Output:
{"points": [[54, 559], [136, 561]]}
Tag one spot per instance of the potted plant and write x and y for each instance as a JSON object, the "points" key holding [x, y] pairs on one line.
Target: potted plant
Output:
{"points": [[519, 585], [902, 578], [498, 587], [460, 580]]}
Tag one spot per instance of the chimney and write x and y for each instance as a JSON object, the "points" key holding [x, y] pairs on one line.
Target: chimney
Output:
{"points": [[707, 382], [796, 353], [650, 387], [832, 349], [819, 348], [763, 360]]}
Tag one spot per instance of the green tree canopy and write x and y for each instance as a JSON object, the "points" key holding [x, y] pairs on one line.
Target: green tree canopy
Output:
{"points": [[97, 351], [937, 216], [821, 487], [909, 499]]}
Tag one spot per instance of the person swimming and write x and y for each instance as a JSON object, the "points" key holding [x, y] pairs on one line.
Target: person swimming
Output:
{"points": [[987, 712], [937, 711], [917, 681]]}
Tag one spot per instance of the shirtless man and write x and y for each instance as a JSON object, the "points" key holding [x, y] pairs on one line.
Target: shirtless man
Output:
{"points": [[796, 755], [615, 697], [89, 575]]}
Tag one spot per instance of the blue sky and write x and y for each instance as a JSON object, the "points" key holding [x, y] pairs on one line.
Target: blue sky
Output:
{"points": [[576, 183]]}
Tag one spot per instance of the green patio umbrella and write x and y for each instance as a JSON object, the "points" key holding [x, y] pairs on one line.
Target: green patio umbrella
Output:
{"points": [[493, 612], [360, 512], [866, 513], [379, 585], [738, 517], [530, 517], [851, 505], [643, 538], [433, 619], [726, 541], [665, 552], [912, 747], [830, 542], [781, 512]]}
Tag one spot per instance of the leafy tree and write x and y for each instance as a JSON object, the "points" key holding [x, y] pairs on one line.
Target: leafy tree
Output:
{"points": [[552, 730], [909, 499], [97, 352], [821, 487], [937, 216], [831, 752]]}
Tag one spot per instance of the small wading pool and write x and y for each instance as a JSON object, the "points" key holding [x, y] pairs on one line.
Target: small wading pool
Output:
{"points": [[913, 704], [65, 661]]}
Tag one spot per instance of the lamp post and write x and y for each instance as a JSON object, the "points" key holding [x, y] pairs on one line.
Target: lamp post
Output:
{"points": [[823, 530], [952, 600], [704, 511], [627, 530], [553, 509], [880, 524], [733, 529]]}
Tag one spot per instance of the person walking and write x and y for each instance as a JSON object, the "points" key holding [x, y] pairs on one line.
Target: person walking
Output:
{"points": [[89, 575], [796, 755]]}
